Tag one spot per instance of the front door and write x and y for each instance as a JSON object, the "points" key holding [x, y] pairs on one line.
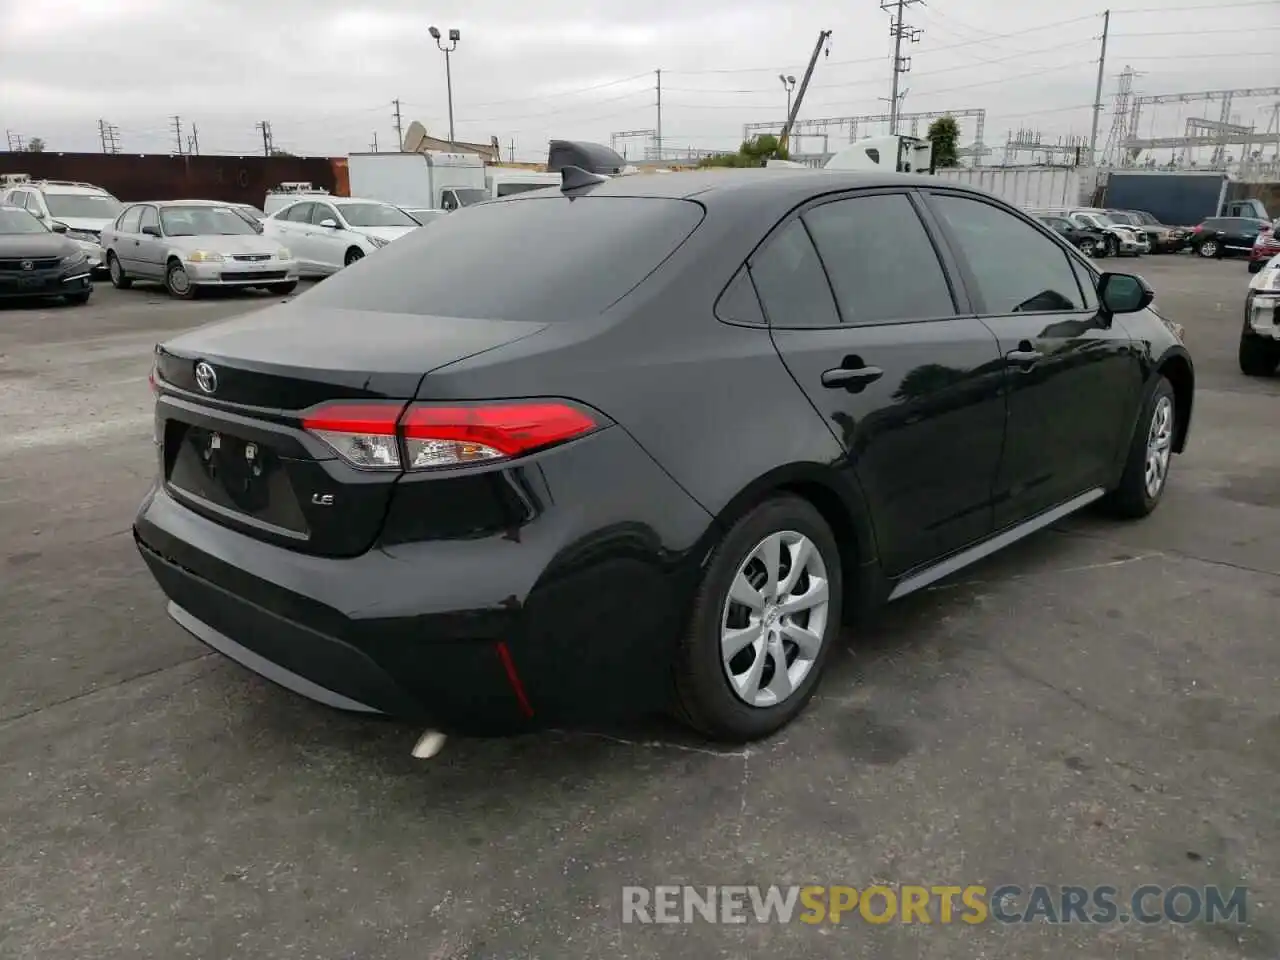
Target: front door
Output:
{"points": [[1070, 374], [294, 229], [864, 317], [330, 244]]}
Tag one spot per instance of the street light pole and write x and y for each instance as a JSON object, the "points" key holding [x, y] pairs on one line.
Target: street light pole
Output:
{"points": [[789, 84], [454, 37]]}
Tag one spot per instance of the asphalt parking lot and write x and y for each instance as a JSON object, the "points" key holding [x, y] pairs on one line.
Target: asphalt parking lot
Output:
{"points": [[1097, 705]]}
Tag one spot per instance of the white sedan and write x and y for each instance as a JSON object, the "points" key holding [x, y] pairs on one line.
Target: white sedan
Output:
{"points": [[327, 234]]}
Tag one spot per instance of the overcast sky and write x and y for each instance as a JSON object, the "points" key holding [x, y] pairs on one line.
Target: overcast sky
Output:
{"points": [[324, 72]]}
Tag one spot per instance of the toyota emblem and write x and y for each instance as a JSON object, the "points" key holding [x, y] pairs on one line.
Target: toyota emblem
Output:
{"points": [[28, 265], [206, 379]]}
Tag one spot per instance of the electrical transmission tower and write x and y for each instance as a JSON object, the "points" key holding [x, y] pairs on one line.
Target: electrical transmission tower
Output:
{"points": [[177, 134], [109, 134], [267, 143], [15, 141], [193, 141], [1070, 150], [1121, 119], [899, 31]]}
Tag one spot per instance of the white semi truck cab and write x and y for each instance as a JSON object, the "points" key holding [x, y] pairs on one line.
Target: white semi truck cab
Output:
{"points": [[895, 153]]}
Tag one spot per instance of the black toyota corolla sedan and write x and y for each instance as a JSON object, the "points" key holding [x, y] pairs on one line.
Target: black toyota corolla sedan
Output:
{"points": [[36, 262], [644, 443]]}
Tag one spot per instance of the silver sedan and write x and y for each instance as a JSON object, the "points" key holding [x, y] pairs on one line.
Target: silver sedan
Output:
{"points": [[190, 245]]}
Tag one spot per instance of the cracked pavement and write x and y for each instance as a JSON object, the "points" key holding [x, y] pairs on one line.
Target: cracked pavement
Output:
{"points": [[1097, 704]]}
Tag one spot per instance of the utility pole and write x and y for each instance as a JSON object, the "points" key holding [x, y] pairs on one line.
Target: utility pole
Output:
{"points": [[193, 141], [1097, 96], [265, 127], [177, 133], [511, 151], [399, 129], [657, 137], [102, 134], [899, 31], [374, 146]]}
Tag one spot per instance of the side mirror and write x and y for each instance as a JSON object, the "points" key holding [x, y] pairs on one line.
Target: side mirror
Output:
{"points": [[58, 227], [329, 223], [151, 231], [1124, 293]]}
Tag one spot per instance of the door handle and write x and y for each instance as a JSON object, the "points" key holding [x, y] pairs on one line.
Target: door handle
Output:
{"points": [[1026, 356], [851, 378]]}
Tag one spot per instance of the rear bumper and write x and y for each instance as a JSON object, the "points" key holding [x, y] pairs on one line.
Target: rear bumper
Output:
{"points": [[567, 620]]}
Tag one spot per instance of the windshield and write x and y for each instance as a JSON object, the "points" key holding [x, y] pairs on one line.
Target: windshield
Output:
{"points": [[91, 206], [1101, 220], [1125, 218], [193, 221], [1144, 217], [557, 259], [375, 215], [19, 221], [467, 197]]}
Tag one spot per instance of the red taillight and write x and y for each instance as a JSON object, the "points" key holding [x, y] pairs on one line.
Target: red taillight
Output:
{"points": [[378, 436], [1197, 228]]}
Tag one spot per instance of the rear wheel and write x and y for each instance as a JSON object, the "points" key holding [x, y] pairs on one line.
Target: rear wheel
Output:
{"points": [[118, 278], [177, 282], [763, 624], [1258, 357], [354, 254], [1087, 247], [1255, 265], [1146, 470]]}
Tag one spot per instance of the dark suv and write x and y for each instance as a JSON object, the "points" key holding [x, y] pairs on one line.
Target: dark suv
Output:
{"points": [[698, 422], [1226, 236]]}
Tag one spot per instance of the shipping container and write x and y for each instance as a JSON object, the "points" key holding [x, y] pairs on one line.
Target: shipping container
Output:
{"points": [[132, 177], [1027, 187], [1179, 199]]}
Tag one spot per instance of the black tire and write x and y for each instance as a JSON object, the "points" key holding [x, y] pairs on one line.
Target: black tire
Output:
{"points": [[1258, 356], [77, 299], [178, 283], [1111, 247], [1255, 266], [1087, 247], [1131, 499], [1210, 250], [115, 270], [354, 254], [703, 696], [283, 289]]}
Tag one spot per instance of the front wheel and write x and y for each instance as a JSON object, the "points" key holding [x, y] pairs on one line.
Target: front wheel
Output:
{"points": [[1258, 357], [1111, 247], [763, 625], [1255, 265], [1209, 249], [1087, 247], [178, 283], [77, 299], [283, 289], [1146, 471], [354, 254]]}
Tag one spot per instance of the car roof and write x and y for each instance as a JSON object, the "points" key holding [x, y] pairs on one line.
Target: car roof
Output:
{"points": [[738, 186], [43, 187]]}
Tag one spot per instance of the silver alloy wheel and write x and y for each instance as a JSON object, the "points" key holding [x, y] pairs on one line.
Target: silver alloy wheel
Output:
{"points": [[116, 271], [774, 619], [179, 282], [1086, 247], [1209, 248], [1159, 447]]}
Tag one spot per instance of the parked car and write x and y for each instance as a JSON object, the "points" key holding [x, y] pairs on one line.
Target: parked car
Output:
{"points": [[329, 233], [1226, 236], [1265, 246], [1121, 239], [38, 262], [192, 245], [1092, 243], [82, 208], [1259, 353], [700, 419], [1162, 238]]}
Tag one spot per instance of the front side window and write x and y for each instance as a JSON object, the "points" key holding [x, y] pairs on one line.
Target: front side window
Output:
{"points": [[19, 221], [149, 219], [881, 264], [321, 212], [1016, 268], [791, 281]]}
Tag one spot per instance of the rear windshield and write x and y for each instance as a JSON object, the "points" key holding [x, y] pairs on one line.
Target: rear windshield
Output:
{"points": [[533, 258]]}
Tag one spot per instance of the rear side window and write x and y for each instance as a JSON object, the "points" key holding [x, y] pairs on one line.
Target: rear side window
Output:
{"points": [[739, 303], [1016, 267], [880, 261], [541, 259], [791, 281]]}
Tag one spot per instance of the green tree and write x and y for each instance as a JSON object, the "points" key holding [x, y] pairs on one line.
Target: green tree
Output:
{"points": [[944, 134], [35, 145], [752, 153]]}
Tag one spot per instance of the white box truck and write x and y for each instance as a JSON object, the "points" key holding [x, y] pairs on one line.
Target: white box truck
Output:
{"points": [[421, 181]]}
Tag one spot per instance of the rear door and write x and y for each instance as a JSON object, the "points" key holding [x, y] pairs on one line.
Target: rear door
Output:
{"points": [[123, 240], [151, 250], [292, 228], [1071, 377], [863, 315]]}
